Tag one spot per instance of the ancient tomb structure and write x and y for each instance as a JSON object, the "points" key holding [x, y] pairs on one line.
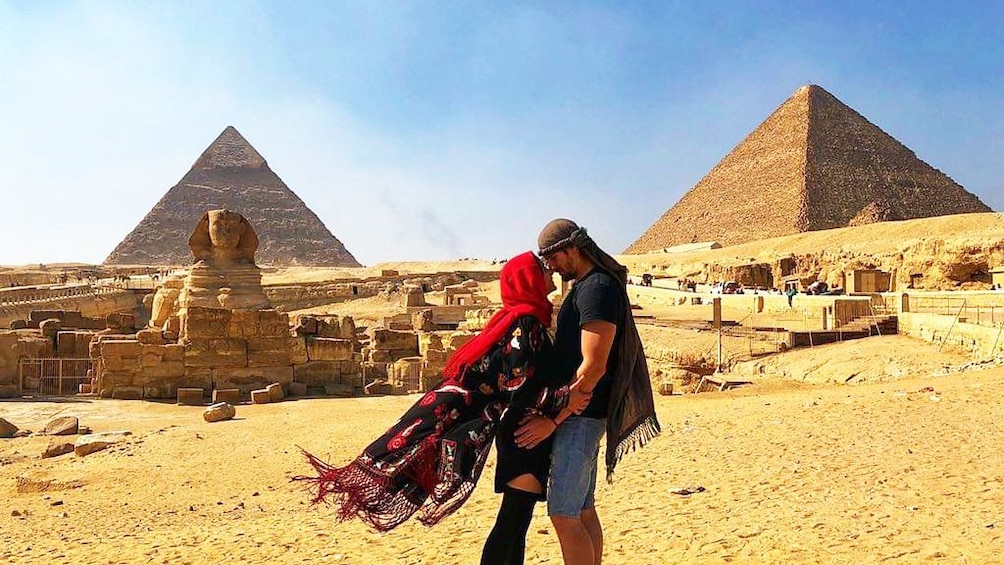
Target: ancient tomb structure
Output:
{"points": [[215, 330], [813, 164], [231, 174]]}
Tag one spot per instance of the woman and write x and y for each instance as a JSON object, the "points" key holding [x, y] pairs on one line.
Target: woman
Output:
{"points": [[430, 460]]}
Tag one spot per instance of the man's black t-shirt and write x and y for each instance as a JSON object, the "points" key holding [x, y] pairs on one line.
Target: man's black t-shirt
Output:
{"points": [[596, 297]]}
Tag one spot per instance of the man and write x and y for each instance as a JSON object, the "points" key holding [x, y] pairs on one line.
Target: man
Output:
{"points": [[598, 348]]}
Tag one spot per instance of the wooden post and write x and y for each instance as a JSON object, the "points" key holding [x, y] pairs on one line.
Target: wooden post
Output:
{"points": [[716, 323]]}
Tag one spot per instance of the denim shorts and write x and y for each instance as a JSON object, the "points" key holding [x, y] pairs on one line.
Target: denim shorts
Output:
{"points": [[574, 460]]}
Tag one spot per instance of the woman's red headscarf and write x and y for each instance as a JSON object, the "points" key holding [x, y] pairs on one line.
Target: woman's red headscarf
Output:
{"points": [[524, 293]]}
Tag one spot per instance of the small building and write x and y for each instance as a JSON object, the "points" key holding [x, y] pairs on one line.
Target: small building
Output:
{"points": [[867, 281], [997, 277]]}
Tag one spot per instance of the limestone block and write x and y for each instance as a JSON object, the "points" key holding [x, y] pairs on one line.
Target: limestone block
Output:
{"points": [[190, 396], [172, 325], [305, 325], [50, 327], [297, 389], [57, 447], [406, 372], [128, 392], [62, 426], [121, 321], [347, 327], [350, 366], [268, 351], [121, 348], [355, 380], [121, 364], [165, 305], [328, 349], [436, 356], [31, 346], [318, 372], [92, 443], [36, 317], [275, 393], [7, 429], [261, 396], [66, 343], [666, 388], [84, 388], [230, 395], [151, 336], [384, 356], [200, 322], [339, 389], [8, 357], [150, 374], [219, 412], [247, 379], [244, 323], [273, 323], [217, 352], [297, 347], [457, 340], [393, 340], [174, 352], [379, 387], [152, 355], [329, 327], [373, 371], [429, 340]]}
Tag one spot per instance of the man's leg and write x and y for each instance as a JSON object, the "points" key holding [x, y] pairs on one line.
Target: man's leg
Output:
{"points": [[590, 519], [576, 544], [591, 522], [573, 474]]}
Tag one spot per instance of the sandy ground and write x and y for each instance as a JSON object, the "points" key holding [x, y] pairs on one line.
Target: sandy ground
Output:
{"points": [[793, 472]]}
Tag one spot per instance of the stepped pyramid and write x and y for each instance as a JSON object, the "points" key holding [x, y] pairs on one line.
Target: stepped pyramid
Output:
{"points": [[231, 174], [814, 164]]}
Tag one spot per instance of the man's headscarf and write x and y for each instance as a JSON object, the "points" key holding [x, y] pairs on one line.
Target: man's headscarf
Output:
{"points": [[631, 418]]}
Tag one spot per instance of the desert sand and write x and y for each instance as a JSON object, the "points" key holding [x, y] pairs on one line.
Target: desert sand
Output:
{"points": [[905, 468]]}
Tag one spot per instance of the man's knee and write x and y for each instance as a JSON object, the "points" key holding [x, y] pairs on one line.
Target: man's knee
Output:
{"points": [[565, 525]]}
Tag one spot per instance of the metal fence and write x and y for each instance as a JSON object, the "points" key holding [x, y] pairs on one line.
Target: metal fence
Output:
{"points": [[51, 376]]}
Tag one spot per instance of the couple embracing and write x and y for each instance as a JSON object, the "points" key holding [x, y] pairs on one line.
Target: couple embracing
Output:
{"points": [[545, 404]]}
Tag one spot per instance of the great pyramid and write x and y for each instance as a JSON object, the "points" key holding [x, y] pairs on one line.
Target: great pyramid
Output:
{"points": [[231, 174], [813, 164]]}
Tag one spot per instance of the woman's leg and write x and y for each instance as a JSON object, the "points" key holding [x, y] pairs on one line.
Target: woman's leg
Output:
{"points": [[506, 543]]}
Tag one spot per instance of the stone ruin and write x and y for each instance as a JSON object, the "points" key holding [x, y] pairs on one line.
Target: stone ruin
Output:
{"points": [[214, 331]]}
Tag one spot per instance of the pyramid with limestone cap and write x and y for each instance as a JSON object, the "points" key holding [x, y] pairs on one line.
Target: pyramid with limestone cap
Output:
{"points": [[813, 164], [231, 174]]}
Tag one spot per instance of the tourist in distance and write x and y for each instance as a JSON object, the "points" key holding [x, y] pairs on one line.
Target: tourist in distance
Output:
{"points": [[598, 349], [430, 460]]}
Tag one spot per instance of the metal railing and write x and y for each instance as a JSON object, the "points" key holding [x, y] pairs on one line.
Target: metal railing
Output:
{"points": [[960, 308], [52, 376]]}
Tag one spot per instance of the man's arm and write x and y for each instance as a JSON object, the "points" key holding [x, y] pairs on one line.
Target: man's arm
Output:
{"points": [[597, 340]]}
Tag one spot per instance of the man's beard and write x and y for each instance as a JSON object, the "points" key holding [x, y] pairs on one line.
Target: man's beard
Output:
{"points": [[567, 276]]}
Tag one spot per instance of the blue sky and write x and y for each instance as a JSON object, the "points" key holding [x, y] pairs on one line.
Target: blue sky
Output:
{"points": [[436, 130]]}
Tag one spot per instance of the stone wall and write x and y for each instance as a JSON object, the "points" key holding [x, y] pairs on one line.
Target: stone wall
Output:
{"points": [[980, 342], [95, 305]]}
